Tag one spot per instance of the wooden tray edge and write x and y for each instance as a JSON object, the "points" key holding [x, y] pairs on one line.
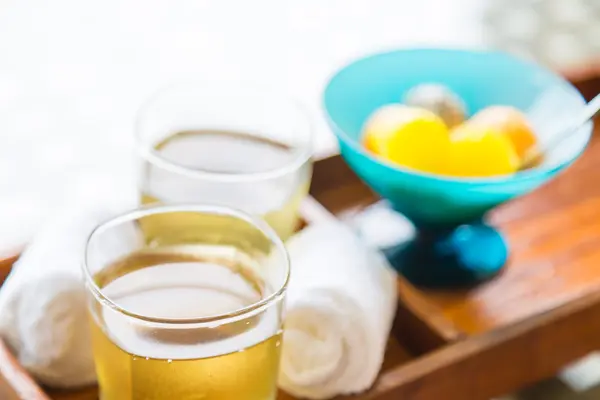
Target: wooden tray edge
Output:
{"points": [[488, 365], [18, 380]]}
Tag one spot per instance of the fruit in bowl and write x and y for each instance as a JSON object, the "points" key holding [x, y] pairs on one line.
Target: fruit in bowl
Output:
{"points": [[430, 134], [409, 136], [479, 152], [511, 123], [440, 100], [443, 172]]}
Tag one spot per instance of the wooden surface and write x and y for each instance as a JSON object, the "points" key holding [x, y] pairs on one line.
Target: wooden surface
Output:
{"points": [[541, 314], [500, 361]]}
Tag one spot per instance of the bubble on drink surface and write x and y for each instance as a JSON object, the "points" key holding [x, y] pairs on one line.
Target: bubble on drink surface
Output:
{"points": [[440, 100]]}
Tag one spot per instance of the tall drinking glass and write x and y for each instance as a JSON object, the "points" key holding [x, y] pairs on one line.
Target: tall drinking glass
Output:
{"points": [[193, 314], [225, 144]]}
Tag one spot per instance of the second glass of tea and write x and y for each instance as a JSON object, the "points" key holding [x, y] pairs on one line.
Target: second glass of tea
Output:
{"points": [[195, 314], [240, 147]]}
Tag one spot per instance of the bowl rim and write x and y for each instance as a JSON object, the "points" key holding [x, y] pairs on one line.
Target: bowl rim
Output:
{"points": [[519, 175]]}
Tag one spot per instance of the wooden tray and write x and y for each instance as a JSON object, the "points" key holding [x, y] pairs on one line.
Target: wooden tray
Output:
{"points": [[542, 313]]}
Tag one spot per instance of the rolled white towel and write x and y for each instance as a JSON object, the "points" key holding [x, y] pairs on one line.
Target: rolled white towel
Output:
{"points": [[43, 316], [341, 302]]}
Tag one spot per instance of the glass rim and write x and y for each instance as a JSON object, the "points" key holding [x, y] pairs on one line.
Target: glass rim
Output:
{"points": [[153, 157], [132, 215]]}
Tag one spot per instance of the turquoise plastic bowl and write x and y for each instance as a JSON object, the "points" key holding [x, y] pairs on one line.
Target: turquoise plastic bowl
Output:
{"points": [[437, 205]]}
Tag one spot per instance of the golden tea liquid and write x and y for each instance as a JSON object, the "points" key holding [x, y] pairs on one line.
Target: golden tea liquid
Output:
{"points": [[140, 360], [276, 198]]}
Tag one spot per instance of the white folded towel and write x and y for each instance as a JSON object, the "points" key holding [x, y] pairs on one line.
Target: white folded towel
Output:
{"points": [[43, 306], [340, 306]]}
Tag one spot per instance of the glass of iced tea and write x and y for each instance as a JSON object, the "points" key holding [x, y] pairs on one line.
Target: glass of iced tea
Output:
{"points": [[195, 313], [228, 144]]}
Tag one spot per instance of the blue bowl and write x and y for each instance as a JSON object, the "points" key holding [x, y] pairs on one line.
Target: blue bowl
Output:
{"points": [[453, 245]]}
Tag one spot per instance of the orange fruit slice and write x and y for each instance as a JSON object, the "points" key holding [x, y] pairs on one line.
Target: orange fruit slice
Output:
{"points": [[510, 122]]}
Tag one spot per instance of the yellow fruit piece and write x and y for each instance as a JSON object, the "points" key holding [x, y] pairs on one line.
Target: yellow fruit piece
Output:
{"points": [[510, 122], [480, 152], [407, 136]]}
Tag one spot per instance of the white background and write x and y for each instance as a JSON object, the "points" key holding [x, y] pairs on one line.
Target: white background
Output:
{"points": [[73, 73]]}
